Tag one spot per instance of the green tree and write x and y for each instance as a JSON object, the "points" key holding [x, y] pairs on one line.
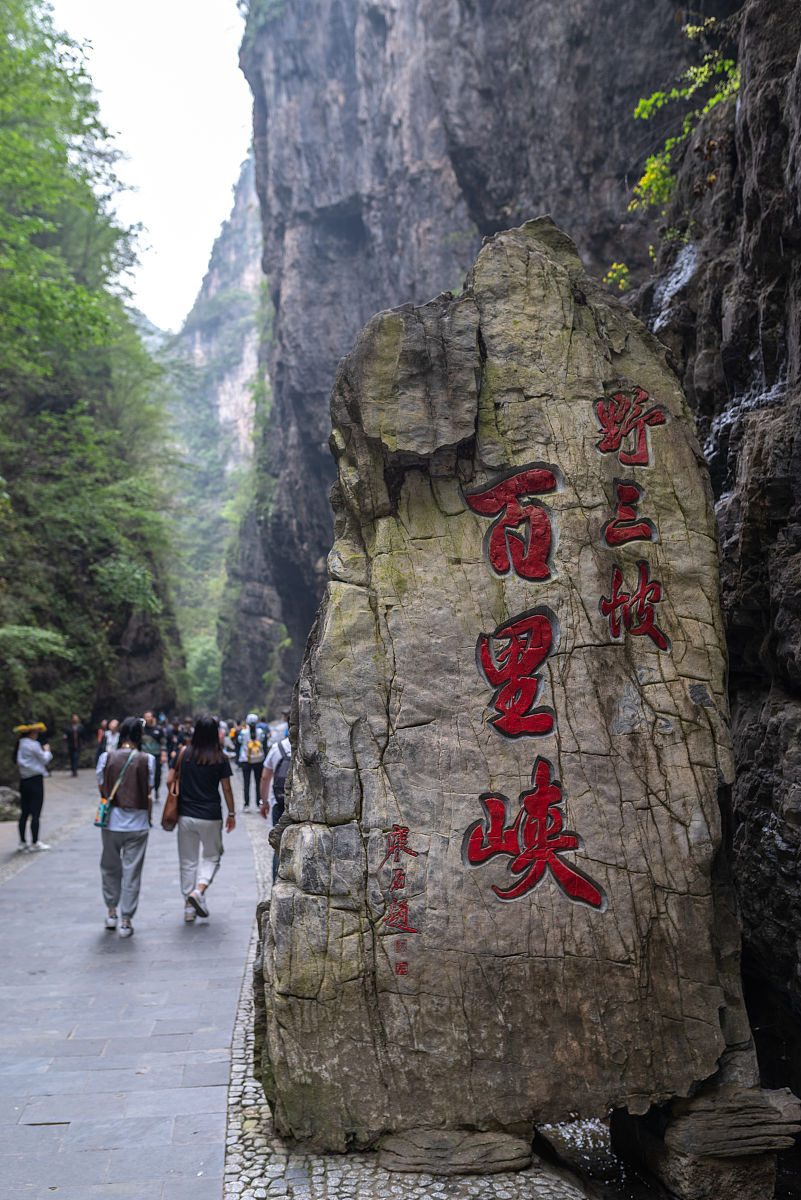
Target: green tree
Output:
{"points": [[83, 539]]}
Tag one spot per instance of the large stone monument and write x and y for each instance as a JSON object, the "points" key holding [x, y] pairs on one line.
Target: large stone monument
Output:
{"points": [[502, 898]]}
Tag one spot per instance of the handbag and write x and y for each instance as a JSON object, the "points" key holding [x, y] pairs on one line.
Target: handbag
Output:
{"points": [[169, 815], [104, 807]]}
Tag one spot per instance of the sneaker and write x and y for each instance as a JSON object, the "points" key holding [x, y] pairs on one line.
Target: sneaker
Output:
{"points": [[111, 921], [23, 846], [126, 929], [40, 846], [198, 902], [189, 912]]}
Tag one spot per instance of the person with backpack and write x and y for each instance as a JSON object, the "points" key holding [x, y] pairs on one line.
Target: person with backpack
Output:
{"points": [[276, 769], [251, 755]]}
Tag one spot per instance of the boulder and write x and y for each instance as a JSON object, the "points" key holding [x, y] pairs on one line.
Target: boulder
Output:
{"points": [[501, 897]]}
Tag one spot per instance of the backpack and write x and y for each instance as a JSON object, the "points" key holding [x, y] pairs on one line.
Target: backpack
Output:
{"points": [[280, 774], [255, 750]]}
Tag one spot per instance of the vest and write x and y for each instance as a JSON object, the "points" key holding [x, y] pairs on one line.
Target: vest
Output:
{"points": [[132, 792]]}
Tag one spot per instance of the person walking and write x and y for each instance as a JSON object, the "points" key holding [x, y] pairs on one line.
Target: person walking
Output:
{"points": [[200, 769], [125, 836], [251, 756], [272, 789], [73, 736], [32, 759]]}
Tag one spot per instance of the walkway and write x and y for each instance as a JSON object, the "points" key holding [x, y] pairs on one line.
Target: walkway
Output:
{"points": [[115, 1054], [125, 1066]]}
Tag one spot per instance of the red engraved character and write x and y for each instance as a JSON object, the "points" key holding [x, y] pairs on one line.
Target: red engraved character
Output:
{"points": [[510, 548], [509, 659], [401, 968], [398, 881], [624, 526], [623, 415], [400, 945], [534, 843], [634, 612], [397, 841], [397, 917]]}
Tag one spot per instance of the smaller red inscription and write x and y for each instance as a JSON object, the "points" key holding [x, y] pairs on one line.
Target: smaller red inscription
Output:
{"points": [[508, 659], [401, 968], [634, 612], [624, 526], [398, 917], [400, 945], [508, 548], [397, 841], [623, 416]]}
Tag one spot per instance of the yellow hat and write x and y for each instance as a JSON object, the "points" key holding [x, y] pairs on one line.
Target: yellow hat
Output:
{"points": [[38, 727]]}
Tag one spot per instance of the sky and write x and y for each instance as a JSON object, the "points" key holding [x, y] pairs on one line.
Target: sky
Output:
{"points": [[170, 89]]}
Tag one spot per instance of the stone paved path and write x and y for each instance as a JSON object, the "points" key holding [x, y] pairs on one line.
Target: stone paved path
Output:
{"points": [[115, 1054], [125, 1066]]}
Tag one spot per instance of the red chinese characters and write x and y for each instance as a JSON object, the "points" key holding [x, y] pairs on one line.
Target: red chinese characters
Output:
{"points": [[520, 537], [634, 612], [396, 917], [534, 842], [624, 526], [623, 417], [397, 841], [509, 659]]}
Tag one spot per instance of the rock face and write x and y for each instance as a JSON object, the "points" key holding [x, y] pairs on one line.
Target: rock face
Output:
{"points": [[388, 138], [728, 307], [499, 899]]}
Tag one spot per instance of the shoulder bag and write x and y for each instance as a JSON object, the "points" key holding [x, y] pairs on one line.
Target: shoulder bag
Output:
{"points": [[169, 816]]}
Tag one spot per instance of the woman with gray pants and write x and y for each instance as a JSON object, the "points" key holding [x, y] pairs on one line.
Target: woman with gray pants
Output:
{"points": [[202, 768], [125, 836]]}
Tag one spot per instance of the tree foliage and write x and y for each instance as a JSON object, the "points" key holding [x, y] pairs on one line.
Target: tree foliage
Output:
{"points": [[83, 543], [703, 85]]}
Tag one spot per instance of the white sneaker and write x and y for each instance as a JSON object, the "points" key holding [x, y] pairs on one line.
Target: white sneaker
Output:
{"points": [[111, 921], [126, 929], [189, 912], [40, 846], [23, 846], [198, 901]]}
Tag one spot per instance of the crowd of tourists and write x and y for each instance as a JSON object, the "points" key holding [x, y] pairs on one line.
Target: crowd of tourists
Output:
{"points": [[197, 759]]}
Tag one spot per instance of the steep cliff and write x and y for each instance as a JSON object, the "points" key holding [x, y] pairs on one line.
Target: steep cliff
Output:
{"points": [[389, 137], [728, 305], [215, 364]]}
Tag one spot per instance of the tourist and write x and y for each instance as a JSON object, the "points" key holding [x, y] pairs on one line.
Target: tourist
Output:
{"points": [[251, 756], [272, 790], [201, 768], [32, 759], [125, 836], [153, 738], [73, 736]]}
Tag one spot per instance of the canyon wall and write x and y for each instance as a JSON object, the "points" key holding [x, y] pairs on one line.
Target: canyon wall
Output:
{"points": [[390, 137]]}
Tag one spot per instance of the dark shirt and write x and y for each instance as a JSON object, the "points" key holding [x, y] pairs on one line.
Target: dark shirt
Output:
{"points": [[200, 788]]}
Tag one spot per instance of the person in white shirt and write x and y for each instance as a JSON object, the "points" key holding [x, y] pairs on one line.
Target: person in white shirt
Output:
{"points": [[272, 786], [32, 759]]}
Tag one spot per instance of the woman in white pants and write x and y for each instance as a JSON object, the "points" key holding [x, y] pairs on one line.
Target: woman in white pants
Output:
{"points": [[202, 768]]}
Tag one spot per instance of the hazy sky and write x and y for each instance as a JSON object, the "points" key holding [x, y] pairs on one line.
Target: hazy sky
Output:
{"points": [[170, 88]]}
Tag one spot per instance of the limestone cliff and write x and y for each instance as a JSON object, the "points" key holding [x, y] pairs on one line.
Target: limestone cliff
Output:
{"points": [[389, 137], [728, 304], [215, 358]]}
